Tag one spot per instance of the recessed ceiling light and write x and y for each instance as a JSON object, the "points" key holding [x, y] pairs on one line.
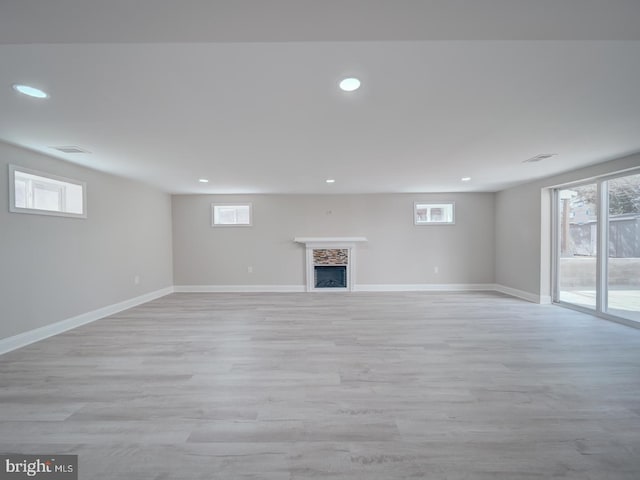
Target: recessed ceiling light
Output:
{"points": [[466, 179], [30, 91], [330, 180], [203, 180], [350, 84]]}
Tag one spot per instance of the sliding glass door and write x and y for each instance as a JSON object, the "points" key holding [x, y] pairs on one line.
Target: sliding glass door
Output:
{"points": [[623, 256], [578, 248], [597, 246]]}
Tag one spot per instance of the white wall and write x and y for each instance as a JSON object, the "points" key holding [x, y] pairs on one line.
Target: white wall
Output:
{"points": [[523, 235], [55, 268], [397, 252]]}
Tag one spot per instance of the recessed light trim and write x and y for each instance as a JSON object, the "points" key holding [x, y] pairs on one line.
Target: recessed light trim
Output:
{"points": [[330, 180], [203, 180], [30, 91], [465, 179], [349, 84]]}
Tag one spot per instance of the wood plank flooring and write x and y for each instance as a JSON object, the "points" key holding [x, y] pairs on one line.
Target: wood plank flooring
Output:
{"points": [[372, 386]]}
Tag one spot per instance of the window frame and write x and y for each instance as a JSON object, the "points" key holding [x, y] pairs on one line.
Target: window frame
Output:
{"points": [[434, 204], [37, 211], [234, 204]]}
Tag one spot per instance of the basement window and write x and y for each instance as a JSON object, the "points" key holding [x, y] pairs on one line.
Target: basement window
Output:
{"points": [[230, 215], [441, 213], [41, 193]]}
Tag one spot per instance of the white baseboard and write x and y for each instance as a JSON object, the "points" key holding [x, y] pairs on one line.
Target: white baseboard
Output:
{"points": [[412, 287], [23, 339], [239, 288], [530, 297], [454, 287], [426, 287], [545, 300]]}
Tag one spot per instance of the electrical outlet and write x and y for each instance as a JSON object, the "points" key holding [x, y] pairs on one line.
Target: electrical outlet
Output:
{"points": [[136, 280], [436, 269], [249, 269]]}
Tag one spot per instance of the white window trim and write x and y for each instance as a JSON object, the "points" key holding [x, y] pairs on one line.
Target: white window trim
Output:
{"points": [[422, 224], [234, 204], [37, 211]]}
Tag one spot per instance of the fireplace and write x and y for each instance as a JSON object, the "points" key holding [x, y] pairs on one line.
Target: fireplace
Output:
{"points": [[330, 262], [330, 276]]}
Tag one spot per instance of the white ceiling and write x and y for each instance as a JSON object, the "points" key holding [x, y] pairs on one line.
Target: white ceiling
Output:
{"points": [[244, 93]]}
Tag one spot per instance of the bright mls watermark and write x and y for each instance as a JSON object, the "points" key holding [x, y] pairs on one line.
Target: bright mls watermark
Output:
{"points": [[58, 467]]}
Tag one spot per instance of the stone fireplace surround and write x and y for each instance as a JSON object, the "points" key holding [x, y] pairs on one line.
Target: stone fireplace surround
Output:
{"points": [[328, 251]]}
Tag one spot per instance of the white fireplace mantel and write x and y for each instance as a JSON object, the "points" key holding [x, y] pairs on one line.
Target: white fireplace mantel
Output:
{"points": [[329, 242], [312, 243]]}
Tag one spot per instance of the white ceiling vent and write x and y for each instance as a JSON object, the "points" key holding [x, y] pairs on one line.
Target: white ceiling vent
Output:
{"points": [[539, 158], [70, 149]]}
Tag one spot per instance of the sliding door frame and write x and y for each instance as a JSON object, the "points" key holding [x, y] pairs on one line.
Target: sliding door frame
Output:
{"points": [[602, 250], [602, 259]]}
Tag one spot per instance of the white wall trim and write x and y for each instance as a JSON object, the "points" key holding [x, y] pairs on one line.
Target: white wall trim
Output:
{"points": [[530, 297], [452, 287], [23, 339], [545, 300], [239, 288], [426, 287], [411, 287], [456, 287]]}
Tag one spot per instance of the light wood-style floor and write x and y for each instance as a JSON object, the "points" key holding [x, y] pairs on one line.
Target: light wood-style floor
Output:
{"points": [[332, 386]]}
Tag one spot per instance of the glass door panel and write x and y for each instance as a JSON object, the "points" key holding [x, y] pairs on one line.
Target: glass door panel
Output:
{"points": [[623, 282], [578, 245]]}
